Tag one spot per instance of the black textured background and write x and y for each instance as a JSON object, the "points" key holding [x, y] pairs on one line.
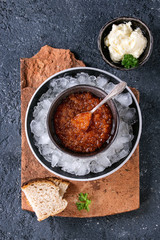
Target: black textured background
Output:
{"points": [[25, 26]]}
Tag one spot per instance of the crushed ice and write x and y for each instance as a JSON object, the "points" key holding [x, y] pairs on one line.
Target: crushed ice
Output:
{"points": [[118, 150]]}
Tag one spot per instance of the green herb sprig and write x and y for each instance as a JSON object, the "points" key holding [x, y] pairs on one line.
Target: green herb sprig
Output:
{"points": [[129, 61], [84, 202]]}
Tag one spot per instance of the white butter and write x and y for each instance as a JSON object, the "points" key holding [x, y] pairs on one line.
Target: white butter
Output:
{"points": [[123, 40]]}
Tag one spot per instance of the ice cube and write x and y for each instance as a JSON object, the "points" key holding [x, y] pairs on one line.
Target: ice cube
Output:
{"points": [[95, 167], [44, 139], [64, 82], [46, 104], [129, 115], [55, 159], [91, 82], [115, 158], [123, 128], [109, 87], [40, 115], [103, 160], [124, 98], [111, 151], [46, 149], [53, 84], [92, 78], [48, 157], [82, 78], [101, 81], [123, 154], [37, 128], [73, 82], [127, 146], [116, 147], [65, 161], [82, 169], [46, 95]]}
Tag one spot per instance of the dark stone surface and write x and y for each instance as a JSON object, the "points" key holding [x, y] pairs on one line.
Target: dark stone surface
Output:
{"points": [[25, 26]]}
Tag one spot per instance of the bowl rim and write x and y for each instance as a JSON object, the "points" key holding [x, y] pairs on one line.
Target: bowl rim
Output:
{"points": [[127, 158], [60, 95], [113, 21]]}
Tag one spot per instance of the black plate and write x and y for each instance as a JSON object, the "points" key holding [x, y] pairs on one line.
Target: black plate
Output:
{"points": [[137, 127]]}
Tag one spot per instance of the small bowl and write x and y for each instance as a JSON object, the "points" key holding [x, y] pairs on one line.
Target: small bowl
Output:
{"points": [[59, 99], [135, 24]]}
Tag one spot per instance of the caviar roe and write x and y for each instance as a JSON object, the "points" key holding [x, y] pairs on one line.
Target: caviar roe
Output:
{"points": [[77, 139]]}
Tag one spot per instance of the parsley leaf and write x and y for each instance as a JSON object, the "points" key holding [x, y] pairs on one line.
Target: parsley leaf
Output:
{"points": [[83, 197], [129, 61], [80, 205], [84, 202]]}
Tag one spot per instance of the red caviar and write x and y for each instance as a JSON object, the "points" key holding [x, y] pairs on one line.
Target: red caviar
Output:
{"points": [[75, 137]]}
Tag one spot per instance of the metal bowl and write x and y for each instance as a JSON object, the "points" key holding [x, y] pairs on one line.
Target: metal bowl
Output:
{"points": [[136, 23], [137, 127], [59, 99]]}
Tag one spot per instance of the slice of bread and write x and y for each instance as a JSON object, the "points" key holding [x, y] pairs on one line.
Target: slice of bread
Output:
{"points": [[44, 197]]}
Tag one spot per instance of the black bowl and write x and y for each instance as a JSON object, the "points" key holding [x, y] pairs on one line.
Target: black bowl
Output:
{"points": [[59, 99], [135, 24], [137, 127]]}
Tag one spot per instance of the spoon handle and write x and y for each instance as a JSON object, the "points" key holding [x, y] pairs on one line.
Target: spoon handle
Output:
{"points": [[115, 91]]}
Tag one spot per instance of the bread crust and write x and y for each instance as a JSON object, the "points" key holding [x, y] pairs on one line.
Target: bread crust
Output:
{"points": [[50, 179], [58, 181], [25, 185]]}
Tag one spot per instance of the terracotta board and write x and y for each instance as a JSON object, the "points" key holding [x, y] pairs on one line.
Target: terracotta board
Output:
{"points": [[114, 194]]}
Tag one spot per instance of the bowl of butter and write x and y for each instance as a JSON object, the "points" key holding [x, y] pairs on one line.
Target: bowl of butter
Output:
{"points": [[125, 43]]}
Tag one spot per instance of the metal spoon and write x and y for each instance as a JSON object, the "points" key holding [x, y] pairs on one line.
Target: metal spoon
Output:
{"points": [[82, 120]]}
